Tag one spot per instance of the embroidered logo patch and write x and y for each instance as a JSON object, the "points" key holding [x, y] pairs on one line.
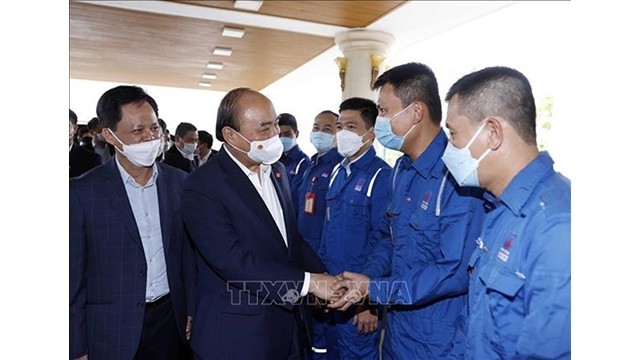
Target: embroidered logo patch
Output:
{"points": [[504, 252], [425, 201]]}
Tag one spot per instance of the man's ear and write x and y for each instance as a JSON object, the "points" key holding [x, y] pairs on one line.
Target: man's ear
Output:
{"points": [[418, 112], [495, 127], [228, 133], [109, 136]]}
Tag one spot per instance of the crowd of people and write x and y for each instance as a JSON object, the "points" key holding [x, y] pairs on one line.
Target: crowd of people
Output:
{"points": [[460, 250]]}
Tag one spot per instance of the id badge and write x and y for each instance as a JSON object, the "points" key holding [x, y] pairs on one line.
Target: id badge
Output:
{"points": [[309, 203]]}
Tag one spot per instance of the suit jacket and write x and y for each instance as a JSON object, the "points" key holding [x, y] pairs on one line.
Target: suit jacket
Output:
{"points": [[247, 278], [174, 158], [107, 266], [81, 160]]}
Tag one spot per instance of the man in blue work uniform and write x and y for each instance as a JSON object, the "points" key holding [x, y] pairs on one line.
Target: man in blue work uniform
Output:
{"points": [[433, 224], [293, 159], [309, 198], [520, 286], [356, 203]]}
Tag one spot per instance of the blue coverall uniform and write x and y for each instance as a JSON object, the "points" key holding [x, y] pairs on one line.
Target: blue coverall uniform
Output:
{"points": [[311, 189], [434, 224], [356, 204], [296, 162], [520, 285]]}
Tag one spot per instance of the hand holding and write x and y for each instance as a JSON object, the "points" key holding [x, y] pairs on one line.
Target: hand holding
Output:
{"points": [[321, 285], [357, 286]]}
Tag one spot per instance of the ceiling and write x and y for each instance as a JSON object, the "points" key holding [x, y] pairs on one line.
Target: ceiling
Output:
{"points": [[169, 43]]}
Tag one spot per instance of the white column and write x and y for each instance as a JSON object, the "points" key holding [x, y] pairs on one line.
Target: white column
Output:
{"points": [[365, 52]]}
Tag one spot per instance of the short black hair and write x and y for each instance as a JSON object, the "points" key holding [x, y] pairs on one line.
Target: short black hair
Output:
{"points": [[498, 91], [414, 82], [93, 124], [109, 108], [73, 117], [327, 112], [367, 108], [205, 137], [228, 110], [287, 119], [82, 131], [183, 128]]}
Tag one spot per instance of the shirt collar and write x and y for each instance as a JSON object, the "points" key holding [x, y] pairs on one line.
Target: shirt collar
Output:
{"points": [[264, 169], [126, 178], [364, 159], [327, 156], [425, 163], [295, 149], [521, 186]]}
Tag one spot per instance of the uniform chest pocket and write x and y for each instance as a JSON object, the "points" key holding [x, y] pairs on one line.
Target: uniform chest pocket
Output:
{"points": [[427, 236], [358, 207], [502, 280]]}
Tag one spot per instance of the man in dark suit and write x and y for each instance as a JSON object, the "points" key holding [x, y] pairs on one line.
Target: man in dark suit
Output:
{"points": [[252, 264], [131, 267], [182, 153], [80, 160]]}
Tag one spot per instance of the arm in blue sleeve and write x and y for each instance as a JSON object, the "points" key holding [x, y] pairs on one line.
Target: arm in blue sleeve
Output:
{"points": [[379, 259], [447, 275], [546, 330]]}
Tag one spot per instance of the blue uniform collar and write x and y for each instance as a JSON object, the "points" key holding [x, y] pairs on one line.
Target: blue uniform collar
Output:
{"points": [[425, 163], [293, 151], [329, 156], [361, 163], [521, 187]]}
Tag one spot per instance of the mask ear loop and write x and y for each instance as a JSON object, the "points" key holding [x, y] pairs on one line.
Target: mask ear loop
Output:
{"points": [[486, 152], [393, 118], [475, 136]]}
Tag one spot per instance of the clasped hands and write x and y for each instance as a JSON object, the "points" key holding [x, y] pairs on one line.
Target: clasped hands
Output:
{"points": [[341, 291]]}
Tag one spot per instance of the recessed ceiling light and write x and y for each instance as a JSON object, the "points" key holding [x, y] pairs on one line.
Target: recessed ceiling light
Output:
{"points": [[253, 5], [232, 32], [222, 51], [205, 84], [209, 76], [215, 65]]}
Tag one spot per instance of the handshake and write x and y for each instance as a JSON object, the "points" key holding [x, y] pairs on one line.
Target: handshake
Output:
{"points": [[341, 291]]}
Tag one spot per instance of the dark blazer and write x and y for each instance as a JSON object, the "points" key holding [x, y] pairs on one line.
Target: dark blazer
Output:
{"points": [[174, 158], [107, 266], [81, 160], [246, 274]]}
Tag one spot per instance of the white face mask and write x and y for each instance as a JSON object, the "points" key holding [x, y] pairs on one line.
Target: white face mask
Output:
{"points": [[189, 148], [323, 142], [461, 164], [143, 154], [263, 151], [349, 142]]}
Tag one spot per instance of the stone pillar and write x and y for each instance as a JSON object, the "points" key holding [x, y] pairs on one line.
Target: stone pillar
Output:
{"points": [[365, 52]]}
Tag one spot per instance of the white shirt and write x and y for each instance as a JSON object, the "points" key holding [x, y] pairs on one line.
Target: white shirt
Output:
{"points": [[267, 191], [202, 160]]}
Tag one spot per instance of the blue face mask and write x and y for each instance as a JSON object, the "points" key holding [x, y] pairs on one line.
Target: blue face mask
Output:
{"points": [[322, 141], [287, 143], [461, 164], [385, 134]]}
